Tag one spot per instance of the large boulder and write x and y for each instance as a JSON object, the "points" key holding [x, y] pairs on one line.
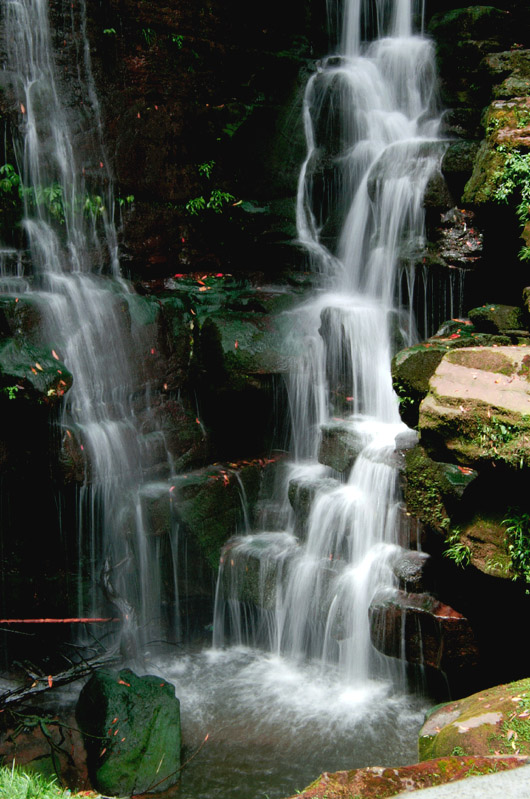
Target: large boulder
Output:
{"points": [[491, 722], [478, 405], [378, 782], [131, 730]]}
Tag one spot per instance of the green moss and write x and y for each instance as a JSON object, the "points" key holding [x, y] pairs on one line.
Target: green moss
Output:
{"points": [[424, 490], [487, 360]]}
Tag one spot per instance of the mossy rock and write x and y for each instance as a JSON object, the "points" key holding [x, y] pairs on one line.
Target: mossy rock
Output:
{"points": [[131, 731], [208, 503], [460, 157], [413, 367], [484, 181], [252, 565], [32, 372], [21, 318], [476, 22], [378, 782], [495, 318], [433, 489], [302, 493], [487, 360], [485, 537], [507, 126], [511, 72], [491, 722]]}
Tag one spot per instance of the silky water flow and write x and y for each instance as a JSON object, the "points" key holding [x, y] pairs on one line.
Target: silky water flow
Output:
{"points": [[89, 315], [371, 126], [301, 593], [293, 684]]}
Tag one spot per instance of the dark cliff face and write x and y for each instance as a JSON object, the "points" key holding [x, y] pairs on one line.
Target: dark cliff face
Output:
{"points": [[202, 108]]}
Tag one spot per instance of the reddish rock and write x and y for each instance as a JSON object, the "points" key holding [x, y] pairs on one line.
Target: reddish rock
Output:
{"points": [[53, 747], [378, 782], [425, 631]]}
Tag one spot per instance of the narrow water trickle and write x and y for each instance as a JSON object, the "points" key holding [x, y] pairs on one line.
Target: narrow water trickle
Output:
{"points": [[371, 126], [90, 314]]}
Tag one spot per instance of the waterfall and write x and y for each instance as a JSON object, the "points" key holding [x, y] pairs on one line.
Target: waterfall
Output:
{"points": [[371, 128], [90, 313]]}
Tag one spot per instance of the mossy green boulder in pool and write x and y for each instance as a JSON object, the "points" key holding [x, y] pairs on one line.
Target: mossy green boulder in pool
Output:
{"points": [[131, 731]]}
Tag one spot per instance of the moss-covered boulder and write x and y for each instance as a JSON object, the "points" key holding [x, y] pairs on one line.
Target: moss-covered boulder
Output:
{"points": [[131, 730], [492, 722], [507, 128], [251, 566], [510, 71], [478, 407], [433, 489], [211, 504], [378, 782], [496, 318]]}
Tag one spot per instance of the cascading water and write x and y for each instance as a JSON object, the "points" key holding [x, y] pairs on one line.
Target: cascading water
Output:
{"points": [[371, 129], [89, 312], [275, 719]]}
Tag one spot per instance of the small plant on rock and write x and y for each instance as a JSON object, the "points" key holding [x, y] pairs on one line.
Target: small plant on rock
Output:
{"points": [[457, 551], [518, 541]]}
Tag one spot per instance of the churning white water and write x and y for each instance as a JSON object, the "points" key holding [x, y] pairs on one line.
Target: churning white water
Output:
{"points": [[371, 130], [90, 314]]}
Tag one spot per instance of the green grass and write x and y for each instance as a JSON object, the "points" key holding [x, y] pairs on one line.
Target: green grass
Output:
{"points": [[16, 784]]}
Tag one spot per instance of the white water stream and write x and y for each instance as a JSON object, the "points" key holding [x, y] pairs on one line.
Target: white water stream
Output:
{"points": [[89, 312], [317, 695], [371, 128]]}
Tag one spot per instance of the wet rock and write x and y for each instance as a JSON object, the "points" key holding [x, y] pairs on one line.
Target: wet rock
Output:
{"points": [[412, 369], [340, 445], [302, 494], [21, 317], [459, 157], [379, 782], [495, 721], [409, 569], [458, 239], [131, 730], [510, 71], [252, 568], [31, 371], [462, 123], [211, 504], [421, 629], [477, 407]]}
